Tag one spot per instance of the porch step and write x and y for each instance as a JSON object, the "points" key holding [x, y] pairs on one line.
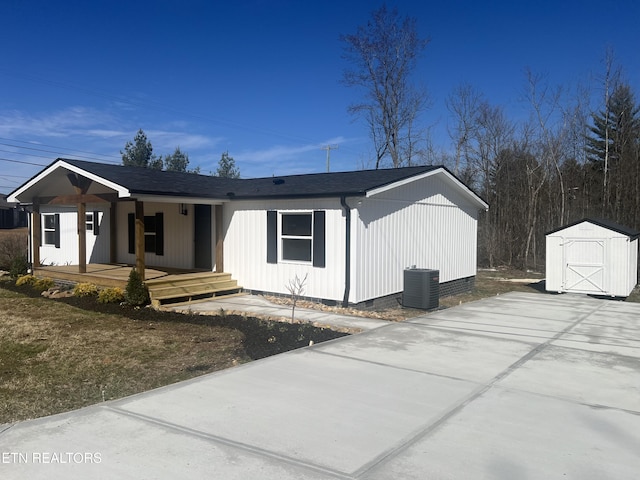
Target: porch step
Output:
{"points": [[173, 289], [221, 296]]}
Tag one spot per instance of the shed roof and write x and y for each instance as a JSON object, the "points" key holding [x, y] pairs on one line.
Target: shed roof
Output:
{"points": [[608, 224], [135, 181]]}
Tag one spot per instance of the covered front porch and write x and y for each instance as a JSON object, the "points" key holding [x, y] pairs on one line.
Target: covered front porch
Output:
{"points": [[166, 285]]}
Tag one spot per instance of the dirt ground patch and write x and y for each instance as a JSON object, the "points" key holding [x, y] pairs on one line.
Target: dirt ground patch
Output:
{"points": [[489, 282]]}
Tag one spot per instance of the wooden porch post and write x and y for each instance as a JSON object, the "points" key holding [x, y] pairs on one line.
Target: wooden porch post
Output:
{"points": [[36, 226], [81, 186], [113, 235], [82, 238], [140, 238], [219, 240]]}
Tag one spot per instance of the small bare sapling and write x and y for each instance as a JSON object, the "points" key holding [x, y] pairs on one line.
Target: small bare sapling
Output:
{"points": [[296, 289]]}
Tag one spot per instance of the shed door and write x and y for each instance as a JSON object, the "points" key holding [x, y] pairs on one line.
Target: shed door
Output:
{"points": [[584, 266]]}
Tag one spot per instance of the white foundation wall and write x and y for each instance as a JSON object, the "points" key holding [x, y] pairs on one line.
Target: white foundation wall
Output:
{"points": [[426, 224], [245, 248], [178, 235], [97, 245]]}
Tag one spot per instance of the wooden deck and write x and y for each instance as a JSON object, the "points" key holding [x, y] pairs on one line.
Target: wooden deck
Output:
{"points": [[166, 285], [103, 275]]}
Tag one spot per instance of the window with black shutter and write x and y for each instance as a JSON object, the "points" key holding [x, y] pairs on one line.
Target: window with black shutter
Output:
{"points": [[300, 237]]}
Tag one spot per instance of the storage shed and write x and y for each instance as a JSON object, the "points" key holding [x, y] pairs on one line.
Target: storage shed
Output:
{"points": [[592, 256]]}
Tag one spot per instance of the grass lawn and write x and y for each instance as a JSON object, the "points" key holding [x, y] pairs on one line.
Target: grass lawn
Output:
{"points": [[59, 355]]}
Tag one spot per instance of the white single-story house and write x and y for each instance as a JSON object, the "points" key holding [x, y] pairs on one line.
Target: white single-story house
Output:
{"points": [[351, 233], [592, 256]]}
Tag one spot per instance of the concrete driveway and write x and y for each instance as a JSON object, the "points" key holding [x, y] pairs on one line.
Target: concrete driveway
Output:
{"points": [[520, 386]]}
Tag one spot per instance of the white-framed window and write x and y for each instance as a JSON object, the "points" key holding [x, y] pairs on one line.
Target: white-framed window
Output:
{"points": [[51, 229], [89, 221], [153, 233], [296, 237], [150, 233]]}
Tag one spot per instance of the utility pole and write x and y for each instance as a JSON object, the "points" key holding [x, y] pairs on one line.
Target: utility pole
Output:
{"points": [[328, 148]]}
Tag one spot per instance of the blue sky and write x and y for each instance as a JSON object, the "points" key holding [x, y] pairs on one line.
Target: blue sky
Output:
{"points": [[261, 79]]}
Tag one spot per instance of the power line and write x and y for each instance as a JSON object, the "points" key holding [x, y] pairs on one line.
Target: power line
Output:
{"points": [[23, 162], [47, 156], [17, 182], [59, 150]]}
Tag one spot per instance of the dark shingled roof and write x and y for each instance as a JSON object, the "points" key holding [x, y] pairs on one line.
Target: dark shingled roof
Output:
{"points": [[608, 224], [148, 181]]}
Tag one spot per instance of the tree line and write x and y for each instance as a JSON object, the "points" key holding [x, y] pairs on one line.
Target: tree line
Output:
{"points": [[139, 153], [565, 161]]}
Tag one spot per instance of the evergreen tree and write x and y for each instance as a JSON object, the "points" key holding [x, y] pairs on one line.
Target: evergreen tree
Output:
{"points": [[227, 167], [178, 161], [612, 148], [139, 153]]}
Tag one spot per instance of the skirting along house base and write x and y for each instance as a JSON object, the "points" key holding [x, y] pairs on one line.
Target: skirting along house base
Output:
{"points": [[351, 234]]}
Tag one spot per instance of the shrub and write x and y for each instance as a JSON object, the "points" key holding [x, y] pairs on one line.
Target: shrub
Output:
{"points": [[85, 290], [111, 295], [13, 249], [42, 284], [26, 280], [136, 293], [18, 266], [36, 283]]}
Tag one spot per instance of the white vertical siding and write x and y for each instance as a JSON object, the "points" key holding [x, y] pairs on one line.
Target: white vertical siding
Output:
{"points": [[424, 223], [554, 264], [632, 264], [178, 235], [245, 248], [67, 254]]}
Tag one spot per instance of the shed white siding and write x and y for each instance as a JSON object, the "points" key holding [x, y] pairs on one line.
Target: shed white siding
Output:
{"points": [[589, 258], [245, 250], [425, 223], [67, 254]]}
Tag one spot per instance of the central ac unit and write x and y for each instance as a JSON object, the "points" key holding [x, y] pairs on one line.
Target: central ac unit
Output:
{"points": [[421, 288]]}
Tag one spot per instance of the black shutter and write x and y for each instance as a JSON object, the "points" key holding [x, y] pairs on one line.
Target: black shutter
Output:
{"points": [[272, 236], [318, 239], [57, 232], [131, 223], [159, 234], [96, 223]]}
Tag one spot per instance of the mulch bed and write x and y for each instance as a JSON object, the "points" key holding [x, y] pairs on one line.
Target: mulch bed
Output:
{"points": [[263, 338]]}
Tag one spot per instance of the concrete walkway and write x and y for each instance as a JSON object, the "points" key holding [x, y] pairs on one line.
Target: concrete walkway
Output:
{"points": [[520, 386], [261, 306]]}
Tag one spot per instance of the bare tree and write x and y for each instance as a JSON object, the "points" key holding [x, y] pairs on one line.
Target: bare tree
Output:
{"points": [[464, 105], [493, 135], [552, 129], [296, 288], [383, 54]]}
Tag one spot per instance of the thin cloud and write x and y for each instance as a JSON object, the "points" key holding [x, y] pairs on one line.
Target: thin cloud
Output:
{"points": [[65, 123]]}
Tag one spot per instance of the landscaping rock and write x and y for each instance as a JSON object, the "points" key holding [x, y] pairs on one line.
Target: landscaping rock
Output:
{"points": [[57, 292]]}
